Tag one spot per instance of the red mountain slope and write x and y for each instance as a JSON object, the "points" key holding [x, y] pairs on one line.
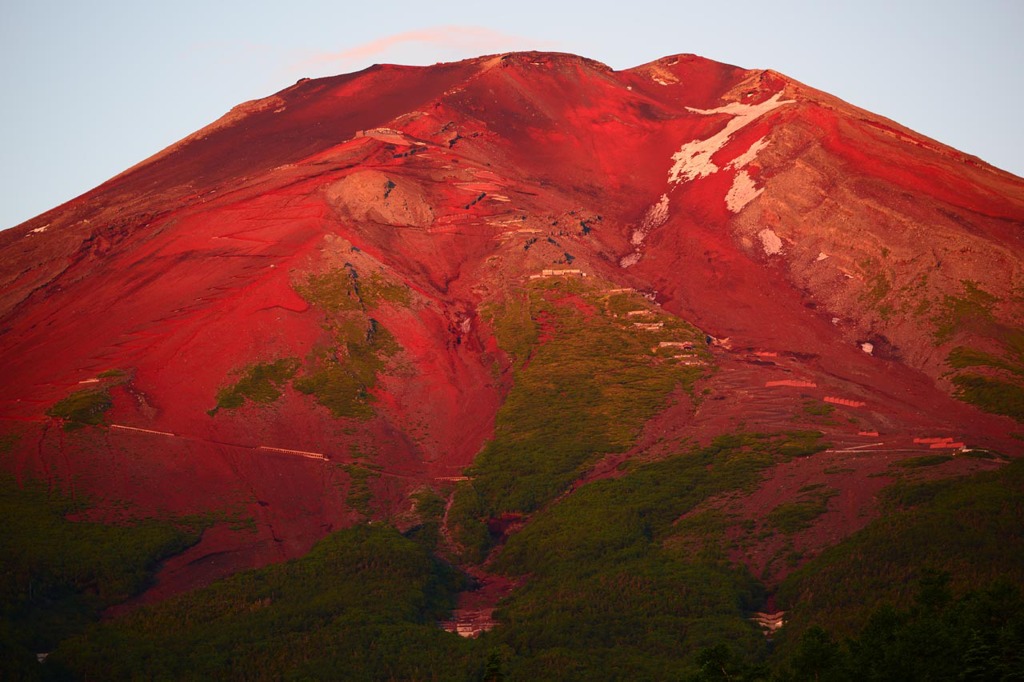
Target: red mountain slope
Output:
{"points": [[789, 225]]}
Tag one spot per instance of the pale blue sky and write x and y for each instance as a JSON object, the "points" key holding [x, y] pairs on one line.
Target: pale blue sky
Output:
{"points": [[91, 88]]}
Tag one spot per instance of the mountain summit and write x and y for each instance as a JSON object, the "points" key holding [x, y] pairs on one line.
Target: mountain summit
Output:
{"points": [[496, 287]]}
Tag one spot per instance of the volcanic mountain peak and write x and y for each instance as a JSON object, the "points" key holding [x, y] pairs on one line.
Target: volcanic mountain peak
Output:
{"points": [[343, 295]]}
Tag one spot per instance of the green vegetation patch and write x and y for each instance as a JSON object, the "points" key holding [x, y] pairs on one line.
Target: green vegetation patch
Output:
{"points": [[362, 605], [978, 636], [8, 441], [913, 296], [811, 503], [340, 376], [429, 508], [620, 304], [88, 406], [999, 388], [922, 461], [991, 395], [343, 289], [343, 376], [962, 357], [515, 328], [968, 527], [56, 575], [586, 390], [904, 494], [816, 408], [703, 534], [359, 493], [644, 618], [972, 310], [802, 443], [260, 383], [83, 408], [878, 287], [376, 289], [625, 582], [333, 291], [342, 390]]}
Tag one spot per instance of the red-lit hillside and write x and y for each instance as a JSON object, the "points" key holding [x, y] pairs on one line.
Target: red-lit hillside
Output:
{"points": [[294, 314]]}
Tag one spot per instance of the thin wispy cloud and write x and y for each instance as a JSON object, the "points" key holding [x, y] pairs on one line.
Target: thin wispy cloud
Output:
{"points": [[437, 43]]}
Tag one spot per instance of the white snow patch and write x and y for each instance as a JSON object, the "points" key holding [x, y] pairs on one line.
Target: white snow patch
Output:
{"points": [[770, 241], [659, 80], [742, 192], [631, 259], [821, 256], [747, 157], [867, 347], [40, 229], [655, 217], [693, 160]]}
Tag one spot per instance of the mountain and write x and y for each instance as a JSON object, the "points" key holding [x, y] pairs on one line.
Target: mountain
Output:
{"points": [[519, 302]]}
